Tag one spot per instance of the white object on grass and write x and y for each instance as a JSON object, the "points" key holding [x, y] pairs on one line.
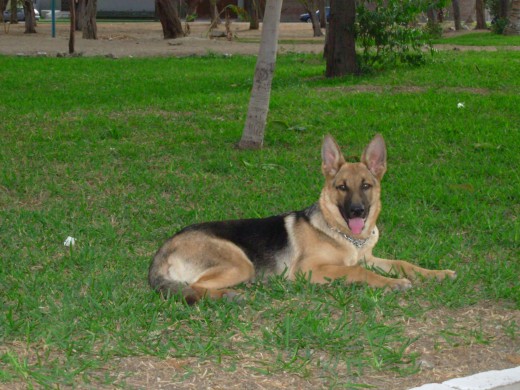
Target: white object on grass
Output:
{"points": [[70, 241]]}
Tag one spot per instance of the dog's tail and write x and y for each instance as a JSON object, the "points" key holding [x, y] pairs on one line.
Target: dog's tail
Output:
{"points": [[159, 281], [170, 288]]}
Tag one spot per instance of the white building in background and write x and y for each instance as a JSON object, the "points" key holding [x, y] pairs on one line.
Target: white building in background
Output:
{"points": [[107, 8]]}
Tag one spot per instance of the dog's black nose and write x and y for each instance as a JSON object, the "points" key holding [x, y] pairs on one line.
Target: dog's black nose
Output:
{"points": [[357, 210]]}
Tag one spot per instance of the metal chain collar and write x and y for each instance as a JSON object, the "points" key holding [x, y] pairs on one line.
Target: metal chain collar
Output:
{"points": [[358, 243]]}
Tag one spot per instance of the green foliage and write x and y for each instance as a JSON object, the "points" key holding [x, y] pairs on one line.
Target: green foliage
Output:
{"points": [[240, 12], [498, 25], [388, 33], [191, 17], [433, 29]]}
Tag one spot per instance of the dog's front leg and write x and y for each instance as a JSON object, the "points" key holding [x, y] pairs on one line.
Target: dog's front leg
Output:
{"points": [[406, 269], [325, 273]]}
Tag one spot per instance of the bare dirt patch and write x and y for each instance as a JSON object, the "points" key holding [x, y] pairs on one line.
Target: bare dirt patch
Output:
{"points": [[450, 343], [144, 39], [362, 88]]}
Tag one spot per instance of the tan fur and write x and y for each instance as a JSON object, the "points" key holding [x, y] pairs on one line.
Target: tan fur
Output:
{"points": [[196, 263]]}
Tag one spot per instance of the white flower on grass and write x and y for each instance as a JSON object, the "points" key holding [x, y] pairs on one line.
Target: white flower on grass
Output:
{"points": [[70, 241], [460, 105]]}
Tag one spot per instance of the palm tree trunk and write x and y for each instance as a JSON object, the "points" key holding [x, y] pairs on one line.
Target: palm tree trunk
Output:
{"points": [[513, 27], [253, 133]]}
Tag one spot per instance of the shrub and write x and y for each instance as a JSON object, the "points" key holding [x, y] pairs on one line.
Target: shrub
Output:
{"points": [[388, 32], [498, 19]]}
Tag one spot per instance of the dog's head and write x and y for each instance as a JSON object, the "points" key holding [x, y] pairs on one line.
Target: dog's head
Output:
{"points": [[350, 198]]}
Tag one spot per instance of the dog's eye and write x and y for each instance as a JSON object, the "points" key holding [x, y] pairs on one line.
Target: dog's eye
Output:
{"points": [[342, 187], [365, 186]]}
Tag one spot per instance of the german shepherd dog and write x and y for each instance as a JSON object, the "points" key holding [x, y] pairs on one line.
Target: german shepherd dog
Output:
{"points": [[329, 240]]}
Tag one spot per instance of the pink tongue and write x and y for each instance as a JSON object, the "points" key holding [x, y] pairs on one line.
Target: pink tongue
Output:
{"points": [[356, 225]]}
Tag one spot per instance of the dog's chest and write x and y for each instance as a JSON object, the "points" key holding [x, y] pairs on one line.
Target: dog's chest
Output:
{"points": [[353, 251]]}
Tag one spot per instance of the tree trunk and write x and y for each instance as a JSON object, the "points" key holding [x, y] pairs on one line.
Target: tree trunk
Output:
{"points": [[316, 28], [72, 27], [323, 14], [456, 14], [503, 8], [30, 19], [341, 42], [480, 15], [3, 4], [213, 10], [169, 17], [513, 27], [80, 14], [253, 133], [14, 16], [431, 16], [252, 9], [440, 15], [89, 19]]}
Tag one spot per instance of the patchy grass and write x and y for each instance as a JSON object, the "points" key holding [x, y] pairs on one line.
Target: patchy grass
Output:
{"points": [[121, 154]]}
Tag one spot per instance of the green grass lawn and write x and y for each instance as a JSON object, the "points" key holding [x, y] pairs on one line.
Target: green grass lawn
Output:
{"points": [[481, 38], [120, 154]]}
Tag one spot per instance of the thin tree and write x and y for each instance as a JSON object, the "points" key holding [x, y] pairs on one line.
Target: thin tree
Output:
{"points": [[513, 27], [213, 11], [80, 10], [251, 7], [169, 17], [432, 20], [340, 49], [30, 18], [323, 13], [310, 7], [14, 17], [480, 15], [89, 19], [254, 129], [72, 27]]}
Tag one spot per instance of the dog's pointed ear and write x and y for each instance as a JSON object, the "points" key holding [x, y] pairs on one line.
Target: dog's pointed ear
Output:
{"points": [[331, 157], [374, 156]]}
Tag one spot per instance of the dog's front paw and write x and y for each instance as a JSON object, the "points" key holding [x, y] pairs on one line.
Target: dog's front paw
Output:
{"points": [[446, 273], [399, 284]]}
